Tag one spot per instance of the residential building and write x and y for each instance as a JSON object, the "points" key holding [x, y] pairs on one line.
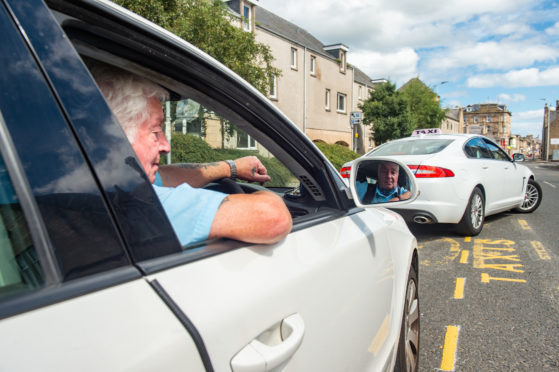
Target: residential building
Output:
{"points": [[550, 133], [317, 88], [453, 121], [490, 119]]}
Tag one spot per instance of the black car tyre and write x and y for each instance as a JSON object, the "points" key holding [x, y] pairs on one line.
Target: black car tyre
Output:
{"points": [[407, 358], [532, 198], [474, 215]]}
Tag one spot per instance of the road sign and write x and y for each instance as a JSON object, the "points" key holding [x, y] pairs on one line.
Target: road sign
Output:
{"points": [[355, 117]]}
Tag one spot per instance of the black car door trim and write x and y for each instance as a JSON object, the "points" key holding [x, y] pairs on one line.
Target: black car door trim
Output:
{"points": [[185, 321]]}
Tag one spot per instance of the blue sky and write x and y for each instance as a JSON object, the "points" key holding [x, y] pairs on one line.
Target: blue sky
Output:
{"points": [[499, 51]]}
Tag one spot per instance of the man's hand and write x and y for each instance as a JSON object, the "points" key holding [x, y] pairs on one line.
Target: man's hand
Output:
{"points": [[251, 169]]}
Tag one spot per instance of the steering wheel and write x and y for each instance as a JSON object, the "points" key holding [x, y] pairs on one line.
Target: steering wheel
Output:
{"points": [[228, 186]]}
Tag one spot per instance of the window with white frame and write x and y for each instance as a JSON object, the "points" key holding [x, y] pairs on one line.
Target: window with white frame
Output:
{"points": [[341, 102], [327, 100], [293, 58], [342, 63], [247, 19], [488, 118], [475, 119], [273, 93], [244, 141], [313, 65], [359, 92]]}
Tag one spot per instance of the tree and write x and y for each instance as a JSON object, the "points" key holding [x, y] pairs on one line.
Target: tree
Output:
{"points": [[208, 24], [423, 103], [388, 111]]}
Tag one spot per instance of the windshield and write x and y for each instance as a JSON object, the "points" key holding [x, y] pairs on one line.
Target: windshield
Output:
{"points": [[412, 147]]}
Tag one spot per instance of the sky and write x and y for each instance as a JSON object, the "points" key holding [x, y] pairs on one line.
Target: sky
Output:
{"points": [[467, 51]]}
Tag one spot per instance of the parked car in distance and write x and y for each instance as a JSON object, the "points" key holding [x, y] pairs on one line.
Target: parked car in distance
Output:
{"points": [[461, 179], [92, 275]]}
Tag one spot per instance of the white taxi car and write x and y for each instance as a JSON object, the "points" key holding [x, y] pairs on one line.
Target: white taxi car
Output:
{"points": [[92, 275], [461, 178]]}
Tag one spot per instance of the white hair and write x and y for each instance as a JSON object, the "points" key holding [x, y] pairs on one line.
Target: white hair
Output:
{"points": [[127, 95]]}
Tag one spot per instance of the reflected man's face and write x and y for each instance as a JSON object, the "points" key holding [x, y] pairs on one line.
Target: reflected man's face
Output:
{"points": [[388, 175]]}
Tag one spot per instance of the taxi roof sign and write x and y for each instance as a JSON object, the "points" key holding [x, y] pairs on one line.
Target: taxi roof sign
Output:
{"points": [[418, 132]]}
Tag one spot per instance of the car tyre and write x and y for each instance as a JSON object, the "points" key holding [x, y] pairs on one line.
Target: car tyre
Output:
{"points": [[472, 220], [407, 357], [532, 197]]}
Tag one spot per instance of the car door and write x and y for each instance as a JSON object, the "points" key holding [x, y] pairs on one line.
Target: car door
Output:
{"points": [[330, 285], [510, 183], [70, 297], [484, 170]]}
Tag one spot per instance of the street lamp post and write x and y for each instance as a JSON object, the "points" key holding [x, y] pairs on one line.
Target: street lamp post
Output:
{"points": [[547, 131]]}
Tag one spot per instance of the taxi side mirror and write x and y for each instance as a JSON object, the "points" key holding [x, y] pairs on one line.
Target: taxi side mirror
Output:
{"points": [[381, 181]]}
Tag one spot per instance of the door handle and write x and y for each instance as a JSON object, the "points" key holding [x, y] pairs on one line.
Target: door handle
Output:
{"points": [[264, 353], [484, 167]]}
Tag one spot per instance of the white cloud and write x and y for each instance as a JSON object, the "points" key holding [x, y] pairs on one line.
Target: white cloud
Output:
{"points": [[504, 97], [553, 30], [531, 115], [398, 67], [530, 77]]}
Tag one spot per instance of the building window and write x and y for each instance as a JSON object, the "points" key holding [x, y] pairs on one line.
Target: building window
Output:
{"points": [[488, 118], [313, 65], [359, 92], [244, 141], [342, 63], [327, 100], [341, 102], [273, 86], [247, 24], [475, 118], [293, 58]]}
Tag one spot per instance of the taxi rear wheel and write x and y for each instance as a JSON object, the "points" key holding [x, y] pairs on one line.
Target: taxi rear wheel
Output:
{"points": [[407, 358], [474, 215]]}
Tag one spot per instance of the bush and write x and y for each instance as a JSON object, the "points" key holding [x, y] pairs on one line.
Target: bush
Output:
{"points": [[337, 154], [186, 148]]}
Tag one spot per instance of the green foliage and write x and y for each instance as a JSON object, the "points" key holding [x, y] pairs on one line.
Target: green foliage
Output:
{"points": [[337, 154], [187, 148], [388, 110], [425, 108], [207, 24]]}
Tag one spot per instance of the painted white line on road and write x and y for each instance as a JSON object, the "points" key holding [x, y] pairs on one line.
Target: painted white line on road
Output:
{"points": [[550, 184]]}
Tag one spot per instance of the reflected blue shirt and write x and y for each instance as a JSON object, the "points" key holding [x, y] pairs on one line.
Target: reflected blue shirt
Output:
{"points": [[385, 195], [190, 210]]}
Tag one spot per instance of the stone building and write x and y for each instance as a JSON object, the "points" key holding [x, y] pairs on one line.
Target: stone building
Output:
{"points": [[490, 119], [453, 121], [550, 133]]}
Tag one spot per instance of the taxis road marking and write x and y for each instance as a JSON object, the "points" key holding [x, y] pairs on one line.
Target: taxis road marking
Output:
{"points": [[449, 349], [540, 250], [485, 278], [459, 290], [524, 225]]}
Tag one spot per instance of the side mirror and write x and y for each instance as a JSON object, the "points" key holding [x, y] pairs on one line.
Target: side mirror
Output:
{"points": [[381, 181], [518, 157]]}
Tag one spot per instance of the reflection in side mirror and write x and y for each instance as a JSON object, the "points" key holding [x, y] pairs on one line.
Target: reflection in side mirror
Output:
{"points": [[379, 181], [518, 157]]}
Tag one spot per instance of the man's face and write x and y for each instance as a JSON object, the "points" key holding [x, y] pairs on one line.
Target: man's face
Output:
{"points": [[150, 141], [388, 175]]}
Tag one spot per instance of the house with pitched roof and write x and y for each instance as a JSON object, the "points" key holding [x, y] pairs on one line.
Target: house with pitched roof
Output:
{"points": [[318, 90]]}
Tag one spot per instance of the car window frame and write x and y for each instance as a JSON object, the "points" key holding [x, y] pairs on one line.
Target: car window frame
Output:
{"points": [[484, 149]]}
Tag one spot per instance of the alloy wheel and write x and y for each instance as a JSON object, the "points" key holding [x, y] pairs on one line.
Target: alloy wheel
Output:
{"points": [[412, 327]]}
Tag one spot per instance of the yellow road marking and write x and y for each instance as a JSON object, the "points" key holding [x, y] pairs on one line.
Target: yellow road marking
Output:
{"points": [[464, 257], [467, 238], [459, 290], [485, 278], [540, 250], [485, 253], [524, 225], [449, 350]]}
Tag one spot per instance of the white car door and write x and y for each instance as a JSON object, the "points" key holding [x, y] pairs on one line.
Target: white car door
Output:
{"points": [[506, 185], [331, 285]]}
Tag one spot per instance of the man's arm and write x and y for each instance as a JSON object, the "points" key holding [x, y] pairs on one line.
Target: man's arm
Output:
{"points": [[249, 168], [261, 217]]}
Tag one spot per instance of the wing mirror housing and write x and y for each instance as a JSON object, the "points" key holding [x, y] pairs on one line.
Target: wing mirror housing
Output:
{"points": [[381, 180]]}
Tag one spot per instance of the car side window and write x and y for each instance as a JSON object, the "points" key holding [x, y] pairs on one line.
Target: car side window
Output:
{"points": [[20, 270], [476, 149], [496, 152]]}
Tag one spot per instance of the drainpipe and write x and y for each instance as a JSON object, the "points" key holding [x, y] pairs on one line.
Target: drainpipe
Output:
{"points": [[354, 126], [305, 91]]}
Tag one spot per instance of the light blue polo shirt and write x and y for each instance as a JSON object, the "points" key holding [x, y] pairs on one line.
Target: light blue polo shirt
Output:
{"points": [[190, 210], [386, 195]]}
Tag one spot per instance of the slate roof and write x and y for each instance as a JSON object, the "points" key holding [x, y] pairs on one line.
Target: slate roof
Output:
{"points": [[290, 31], [453, 113]]}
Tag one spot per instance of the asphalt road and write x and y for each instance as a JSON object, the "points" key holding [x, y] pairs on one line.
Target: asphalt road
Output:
{"points": [[491, 302]]}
